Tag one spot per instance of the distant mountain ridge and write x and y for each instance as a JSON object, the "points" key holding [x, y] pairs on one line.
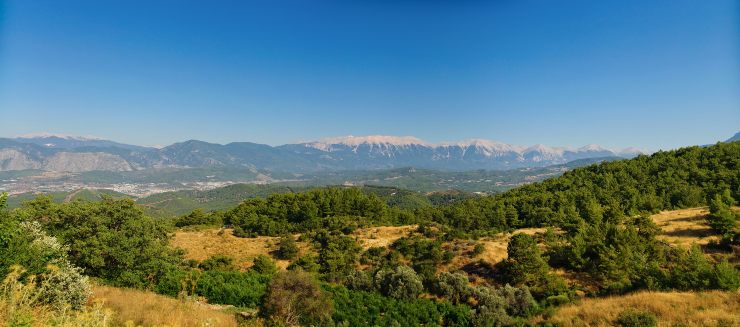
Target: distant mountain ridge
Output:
{"points": [[66, 153]]}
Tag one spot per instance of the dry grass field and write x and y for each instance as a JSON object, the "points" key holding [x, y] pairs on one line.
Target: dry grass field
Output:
{"points": [[685, 226], [205, 243], [382, 236], [149, 309], [495, 247], [202, 244], [713, 308]]}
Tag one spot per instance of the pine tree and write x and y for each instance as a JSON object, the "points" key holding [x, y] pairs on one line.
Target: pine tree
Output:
{"points": [[721, 218]]}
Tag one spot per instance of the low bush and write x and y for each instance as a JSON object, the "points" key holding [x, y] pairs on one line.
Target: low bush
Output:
{"points": [[401, 282], [218, 262], [635, 318], [26, 303], [307, 263], [360, 308], [242, 289], [264, 265], [295, 297], [288, 249]]}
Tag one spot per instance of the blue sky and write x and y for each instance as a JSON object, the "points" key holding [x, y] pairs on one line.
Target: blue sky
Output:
{"points": [[657, 74]]}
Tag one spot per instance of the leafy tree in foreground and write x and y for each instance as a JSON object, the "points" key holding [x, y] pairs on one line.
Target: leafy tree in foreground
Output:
{"points": [[294, 297], [111, 239]]}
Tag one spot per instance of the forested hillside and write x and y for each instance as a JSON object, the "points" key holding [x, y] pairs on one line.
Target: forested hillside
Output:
{"points": [[597, 238]]}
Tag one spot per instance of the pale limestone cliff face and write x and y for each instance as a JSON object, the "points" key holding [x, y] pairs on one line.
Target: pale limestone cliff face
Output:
{"points": [[12, 159], [86, 161]]}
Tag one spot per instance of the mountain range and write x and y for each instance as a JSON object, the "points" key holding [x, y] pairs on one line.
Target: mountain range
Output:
{"points": [[53, 152]]}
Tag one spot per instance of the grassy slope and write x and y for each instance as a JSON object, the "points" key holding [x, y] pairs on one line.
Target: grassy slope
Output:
{"points": [[686, 226], [149, 309], [680, 227], [671, 308]]}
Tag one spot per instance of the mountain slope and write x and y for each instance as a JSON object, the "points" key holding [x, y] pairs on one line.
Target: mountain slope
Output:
{"points": [[75, 154]]}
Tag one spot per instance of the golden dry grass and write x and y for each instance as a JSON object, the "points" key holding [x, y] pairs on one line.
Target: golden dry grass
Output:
{"points": [[149, 309], [671, 308], [200, 245], [382, 236], [495, 247], [685, 226]]}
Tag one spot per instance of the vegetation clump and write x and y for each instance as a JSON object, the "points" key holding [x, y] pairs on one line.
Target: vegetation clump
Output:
{"points": [[635, 318], [295, 297], [287, 249]]}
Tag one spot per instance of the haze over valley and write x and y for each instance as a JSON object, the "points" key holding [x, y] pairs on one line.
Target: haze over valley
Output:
{"points": [[53, 162]]}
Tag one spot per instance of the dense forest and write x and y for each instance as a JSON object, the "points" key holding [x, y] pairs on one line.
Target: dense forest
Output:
{"points": [[599, 241]]}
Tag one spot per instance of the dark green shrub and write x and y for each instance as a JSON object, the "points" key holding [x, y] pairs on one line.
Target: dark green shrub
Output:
{"points": [[401, 282], [218, 262], [361, 281], [307, 263], [519, 302], [295, 297], [232, 287], [478, 249], [338, 255], [721, 218], [490, 309], [262, 264], [359, 308], [635, 318], [287, 249], [198, 217], [525, 264], [176, 282], [454, 287], [726, 277], [374, 256]]}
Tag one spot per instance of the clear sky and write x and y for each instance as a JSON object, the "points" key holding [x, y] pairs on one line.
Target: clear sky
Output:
{"points": [[651, 74]]}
